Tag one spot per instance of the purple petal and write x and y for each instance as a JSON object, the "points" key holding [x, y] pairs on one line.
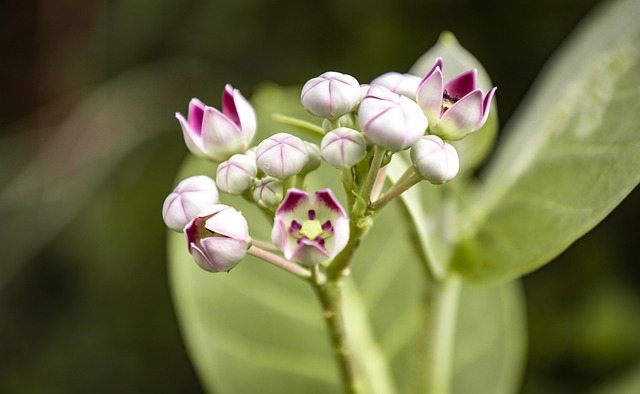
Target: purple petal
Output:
{"points": [[222, 254], [437, 64], [246, 117], [310, 252], [221, 137], [462, 85], [327, 198], [196, 115], [486, 105], [293, 198], [228, 104], [230, 223], [429, 95], [462, 118], [192, 138]]}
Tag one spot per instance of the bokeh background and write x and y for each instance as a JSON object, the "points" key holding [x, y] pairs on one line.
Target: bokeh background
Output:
{"points": [[89, 148]]}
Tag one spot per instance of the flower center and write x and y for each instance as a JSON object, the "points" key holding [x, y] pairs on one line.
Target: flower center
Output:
{"points": [[448, 100], [311, 228]]}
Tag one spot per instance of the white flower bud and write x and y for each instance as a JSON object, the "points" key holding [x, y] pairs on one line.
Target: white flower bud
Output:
{"points": [[343, 147], [190, 197], [268, 192], [314, 161], [389, 120], [404, 84], [435, 160], [237, 174], [282, 155], [330, 95]]}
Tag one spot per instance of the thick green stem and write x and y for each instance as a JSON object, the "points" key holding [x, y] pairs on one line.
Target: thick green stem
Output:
{"points": [[330, 295], [358, 228], [434, 364]]}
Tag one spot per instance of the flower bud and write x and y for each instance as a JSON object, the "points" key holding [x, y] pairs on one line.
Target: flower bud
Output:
{"points": [[282, 155], [268, 192], [404, 84], [389, 120], [330, 95], [435, 160], [191, 196], [314, 161], [343, 147], [236, 175], [218, 238], [216, 134]]}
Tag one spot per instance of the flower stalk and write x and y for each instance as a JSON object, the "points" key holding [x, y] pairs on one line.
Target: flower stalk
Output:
{"points": [[329, 294]]}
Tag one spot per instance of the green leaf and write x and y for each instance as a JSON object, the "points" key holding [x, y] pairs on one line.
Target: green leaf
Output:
{"points": [[259, 329], [571, 154], [434, 209], [490, 339]]}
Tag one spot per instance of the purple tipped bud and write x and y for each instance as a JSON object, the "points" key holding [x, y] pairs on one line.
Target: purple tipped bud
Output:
{"points": [[218, 238], [215, 134]]}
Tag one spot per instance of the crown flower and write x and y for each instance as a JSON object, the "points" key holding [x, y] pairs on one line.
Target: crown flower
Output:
{"points": [[216, 134], [456, 108], [310, 231]]}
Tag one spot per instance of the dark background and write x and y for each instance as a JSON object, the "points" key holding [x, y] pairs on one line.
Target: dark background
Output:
{"points": [[89, 148]]}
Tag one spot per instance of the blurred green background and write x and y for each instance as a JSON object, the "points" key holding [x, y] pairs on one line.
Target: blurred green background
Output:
{"points": [[89, 149]]}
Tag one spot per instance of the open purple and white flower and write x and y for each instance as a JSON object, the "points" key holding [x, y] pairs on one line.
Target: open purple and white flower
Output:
{"points": [[310, 231], [218, 238], [216, 134], [456, 108]]}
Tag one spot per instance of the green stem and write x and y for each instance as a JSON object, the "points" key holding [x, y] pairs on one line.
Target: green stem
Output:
{"points": [[358, 228], [397, 189], [330, 295], [437, 339], [376, 162], [298, 123]]}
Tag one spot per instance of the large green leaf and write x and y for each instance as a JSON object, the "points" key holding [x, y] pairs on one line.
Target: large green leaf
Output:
{"points": [[434, 209], [258, 329], [571, 154]]}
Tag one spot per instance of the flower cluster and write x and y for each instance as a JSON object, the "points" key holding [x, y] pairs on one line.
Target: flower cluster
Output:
{"points": [[363, 126]]}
